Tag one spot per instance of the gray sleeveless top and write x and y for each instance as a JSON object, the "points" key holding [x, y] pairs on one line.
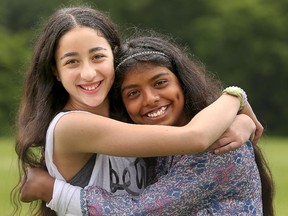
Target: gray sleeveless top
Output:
{"points": [[82, 178], [115, 174]]}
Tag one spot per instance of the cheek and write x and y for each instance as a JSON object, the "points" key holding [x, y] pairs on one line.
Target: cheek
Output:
{"points": [[108, 73], [112, 79], [180, 97], [128, 107], [108, 70], [132, 108], [67, 77], [180, 100]]}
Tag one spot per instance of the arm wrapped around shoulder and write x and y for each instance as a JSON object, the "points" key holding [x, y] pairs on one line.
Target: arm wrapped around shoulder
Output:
{"points": [[225, 184]]}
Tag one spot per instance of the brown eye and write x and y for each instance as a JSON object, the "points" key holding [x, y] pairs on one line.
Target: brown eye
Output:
{"points": [[161, 83], [133, 93], [97, 57], [71, 61]]}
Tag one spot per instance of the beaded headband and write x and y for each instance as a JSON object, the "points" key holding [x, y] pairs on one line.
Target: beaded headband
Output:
{"points": [[139, 54]]}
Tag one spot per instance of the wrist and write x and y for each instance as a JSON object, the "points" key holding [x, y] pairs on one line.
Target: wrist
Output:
{"points": [[46, 192], [237, 92]]}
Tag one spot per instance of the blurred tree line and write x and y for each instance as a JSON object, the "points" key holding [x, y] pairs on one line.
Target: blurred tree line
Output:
{"points": [[243, 42]]}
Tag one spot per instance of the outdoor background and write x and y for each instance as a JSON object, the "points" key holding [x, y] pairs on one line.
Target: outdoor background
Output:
{"points": [[243, 43]]}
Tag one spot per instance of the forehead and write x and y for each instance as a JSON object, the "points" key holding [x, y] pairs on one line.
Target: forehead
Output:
{"points": [[147, 72], [80, 36]]}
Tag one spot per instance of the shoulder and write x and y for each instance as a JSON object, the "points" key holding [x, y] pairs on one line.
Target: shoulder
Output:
{"points": [[70, 119], [67, 128]]}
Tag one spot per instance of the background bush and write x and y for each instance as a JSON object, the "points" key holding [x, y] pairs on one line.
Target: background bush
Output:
{"points": [[244, 43]]}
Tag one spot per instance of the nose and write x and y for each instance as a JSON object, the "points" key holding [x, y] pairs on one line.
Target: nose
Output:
{"points": [[88, 72], [150, 98]]}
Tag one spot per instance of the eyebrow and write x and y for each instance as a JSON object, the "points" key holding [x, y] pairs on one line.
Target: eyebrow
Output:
{"points": [[151, 79], [158, 75], [75, 53]]}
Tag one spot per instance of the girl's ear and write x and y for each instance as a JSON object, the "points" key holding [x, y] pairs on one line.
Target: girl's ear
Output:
{"points": [[56, 75]]}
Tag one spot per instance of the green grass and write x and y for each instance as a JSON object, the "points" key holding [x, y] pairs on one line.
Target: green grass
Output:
{"points": [[275, 150], [7, 170], [9, 175]]}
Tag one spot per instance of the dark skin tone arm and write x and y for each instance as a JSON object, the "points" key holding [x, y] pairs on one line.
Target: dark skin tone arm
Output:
{"points": [[38, 185]]}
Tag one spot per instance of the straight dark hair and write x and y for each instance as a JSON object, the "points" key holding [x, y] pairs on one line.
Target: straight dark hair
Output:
{"points": [[44, 96]]}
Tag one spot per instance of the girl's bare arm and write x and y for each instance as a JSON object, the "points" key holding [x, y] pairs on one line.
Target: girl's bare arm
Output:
{"points": [[89, 133]]}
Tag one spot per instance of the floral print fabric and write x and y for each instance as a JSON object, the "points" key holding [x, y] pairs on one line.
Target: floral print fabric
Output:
{"points": [[201, 184]]}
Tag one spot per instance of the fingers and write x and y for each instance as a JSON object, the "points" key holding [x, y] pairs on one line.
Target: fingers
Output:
{"points": [[259, 128], [226, 148], [252, 138], [220, 143], [256, 137], [258, 133]]}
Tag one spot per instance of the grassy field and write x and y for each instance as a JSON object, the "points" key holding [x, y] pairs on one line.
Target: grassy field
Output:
{"points": [[275, 150]]}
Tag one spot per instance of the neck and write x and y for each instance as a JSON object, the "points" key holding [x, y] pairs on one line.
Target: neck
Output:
{"points": [[102, 109]]}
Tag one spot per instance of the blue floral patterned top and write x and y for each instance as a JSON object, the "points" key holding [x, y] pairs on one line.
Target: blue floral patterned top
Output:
{"points": [[201, 184]]}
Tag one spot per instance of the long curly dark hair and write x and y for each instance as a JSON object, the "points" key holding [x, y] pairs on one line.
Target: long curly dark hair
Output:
{"points": [[199, 87]]}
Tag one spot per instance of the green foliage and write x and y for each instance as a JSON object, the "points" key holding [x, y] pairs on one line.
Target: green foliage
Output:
{"points": [[244, 42], [23, 15], [13, 56]]}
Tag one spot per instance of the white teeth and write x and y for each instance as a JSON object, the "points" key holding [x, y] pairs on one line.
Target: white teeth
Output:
{"points": [[90, 88], [159, 112]]}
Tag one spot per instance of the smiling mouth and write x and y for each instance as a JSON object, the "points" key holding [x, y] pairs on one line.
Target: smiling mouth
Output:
{"points": [[91, 87], [158, 112]]}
